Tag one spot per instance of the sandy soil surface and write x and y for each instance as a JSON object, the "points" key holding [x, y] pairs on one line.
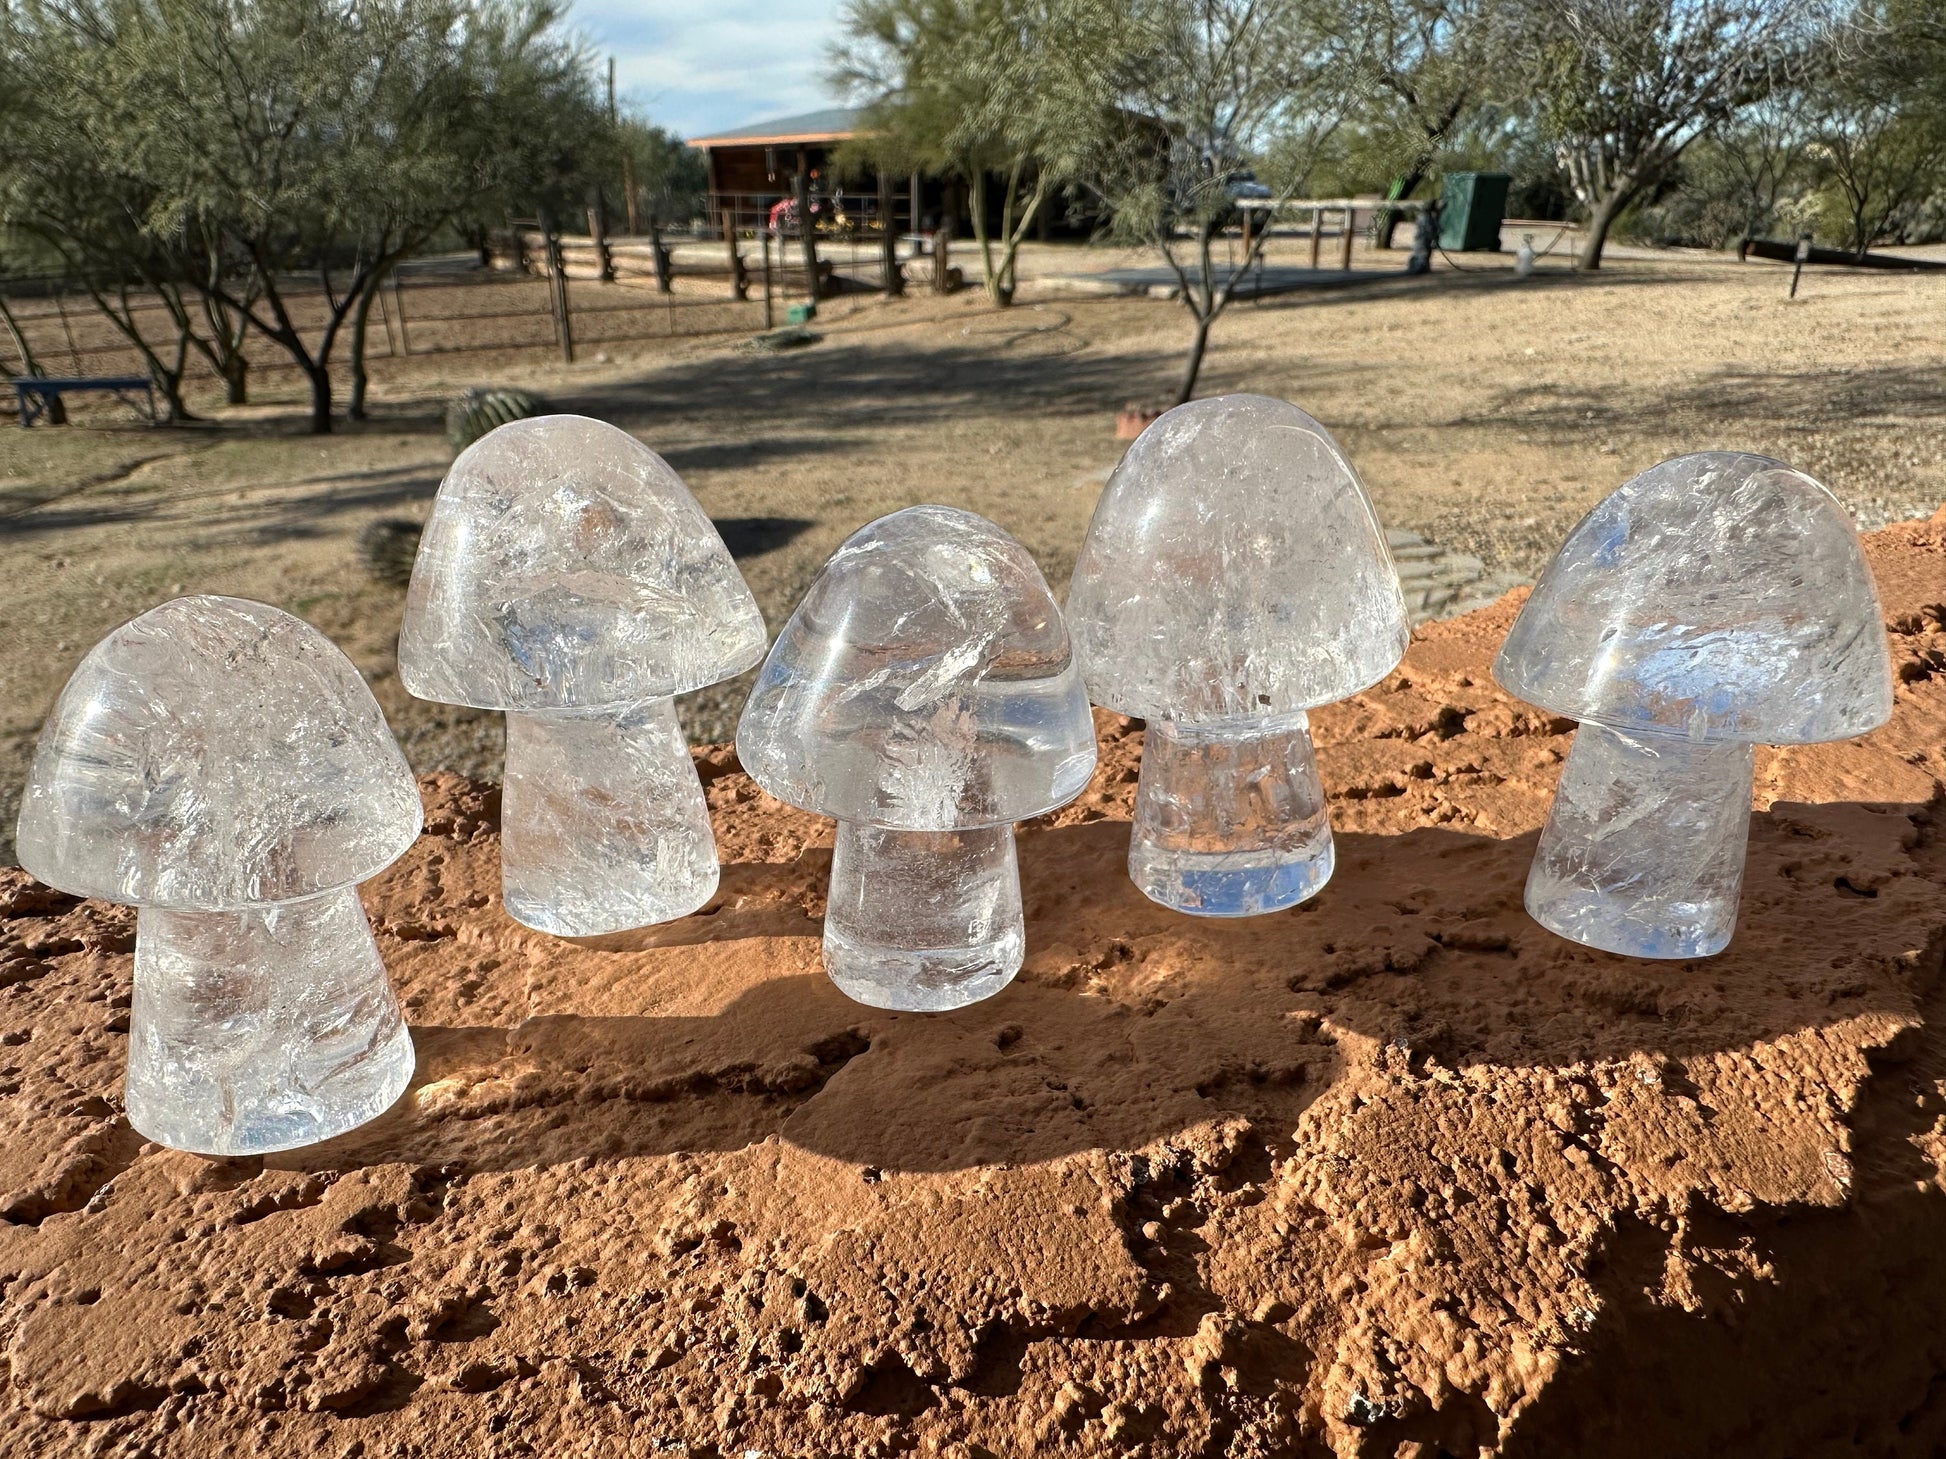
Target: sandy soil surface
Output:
{"points": [[1485, 412], [1395, 1173]]}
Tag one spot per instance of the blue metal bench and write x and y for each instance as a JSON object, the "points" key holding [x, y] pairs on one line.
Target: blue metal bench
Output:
{"points": [[37, 392]]}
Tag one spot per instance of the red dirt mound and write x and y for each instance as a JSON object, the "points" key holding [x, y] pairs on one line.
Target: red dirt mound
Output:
{"points": [[1394, 1173]]}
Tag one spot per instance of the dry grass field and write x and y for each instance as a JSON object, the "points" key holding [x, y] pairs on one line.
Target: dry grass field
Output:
{"points": [[1484, 411]]}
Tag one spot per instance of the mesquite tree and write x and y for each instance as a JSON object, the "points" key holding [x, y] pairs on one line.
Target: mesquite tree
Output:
{"points": [[1434, 62], [1879, 115], [1009, 91], [1624, 87], [220, 155], [1213, 91]]}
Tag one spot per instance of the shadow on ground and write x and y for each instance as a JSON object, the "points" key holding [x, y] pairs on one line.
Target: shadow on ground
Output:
{"points": [[1130, 1022]]}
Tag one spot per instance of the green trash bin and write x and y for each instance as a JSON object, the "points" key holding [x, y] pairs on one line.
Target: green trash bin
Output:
{"points": [[1471, 210]]}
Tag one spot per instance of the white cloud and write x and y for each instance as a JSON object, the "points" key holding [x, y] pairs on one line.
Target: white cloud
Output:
{"points": [[698, 66]]}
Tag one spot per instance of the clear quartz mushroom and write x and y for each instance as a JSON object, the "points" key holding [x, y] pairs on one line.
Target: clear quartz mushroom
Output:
{"points": [[1234, 577], [1714, 603], [221, 765], [568, 577], [924, 696]]}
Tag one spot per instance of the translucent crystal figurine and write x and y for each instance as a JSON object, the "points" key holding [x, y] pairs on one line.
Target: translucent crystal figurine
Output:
{"points": [[1234, 576], [219, 764], [924, 695], [568, 577], [1713, 603]]}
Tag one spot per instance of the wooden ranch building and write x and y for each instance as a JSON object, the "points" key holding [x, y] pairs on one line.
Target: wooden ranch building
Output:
{"points": [[755, 171]]}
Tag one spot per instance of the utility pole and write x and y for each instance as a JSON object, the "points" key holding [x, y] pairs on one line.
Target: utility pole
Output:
{"points": [[628, 161], [888, 239], [806, 233]]}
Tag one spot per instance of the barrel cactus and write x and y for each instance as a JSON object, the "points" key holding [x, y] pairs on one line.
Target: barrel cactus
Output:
{"points": [[472, 415], [386, 549]]}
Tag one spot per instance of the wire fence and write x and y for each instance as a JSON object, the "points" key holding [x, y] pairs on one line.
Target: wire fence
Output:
{"points": [[417, 312]]}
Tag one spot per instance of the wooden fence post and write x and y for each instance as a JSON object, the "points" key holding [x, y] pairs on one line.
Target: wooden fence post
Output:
{"points": [[1317, 233], [557, 274], [942, 250], [739, 275], [1344, 250], [604, 261], [659, 256], [763, 236], [398, 306]]}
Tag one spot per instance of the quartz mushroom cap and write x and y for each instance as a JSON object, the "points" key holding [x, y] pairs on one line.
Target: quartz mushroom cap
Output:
{"points": [[1234, 569], [1719, 596], [221, 765], [568, 577], [925, 695], [925, 683], [215, 753], [1713, 603], [566, 566]]}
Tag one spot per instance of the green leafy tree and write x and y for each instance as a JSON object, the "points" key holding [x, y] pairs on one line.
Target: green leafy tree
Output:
{"points": [[1434, 62], [1879, 129], [670, 176], [1017, 92], [1214, 92], [1625, 87], [304, 139]]}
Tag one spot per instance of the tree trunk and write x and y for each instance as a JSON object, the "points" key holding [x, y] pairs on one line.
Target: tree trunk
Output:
{"points": [[1193, 366], [57, 410], [976, 200], [1388, 218], [361, 312], [1600, 220], [807, 234], [236, 378], [320, 377], [169, 386]]}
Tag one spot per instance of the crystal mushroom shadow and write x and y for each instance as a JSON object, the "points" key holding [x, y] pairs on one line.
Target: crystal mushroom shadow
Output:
{"points": [[220, 765], [568, 578], [1234, 576], [1713, 603], [925, 696]]}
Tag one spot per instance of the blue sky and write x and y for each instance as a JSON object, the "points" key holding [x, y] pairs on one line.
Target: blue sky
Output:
{"points": [[698, 66]]}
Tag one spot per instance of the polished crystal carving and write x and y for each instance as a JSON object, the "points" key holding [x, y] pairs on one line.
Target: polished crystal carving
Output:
{"points": [[1714, 602], [220, 764], [1234, 576], [568, 577], [925, 696]]}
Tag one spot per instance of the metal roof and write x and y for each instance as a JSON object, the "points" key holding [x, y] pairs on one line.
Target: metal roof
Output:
{"points": [[833, 124]]}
